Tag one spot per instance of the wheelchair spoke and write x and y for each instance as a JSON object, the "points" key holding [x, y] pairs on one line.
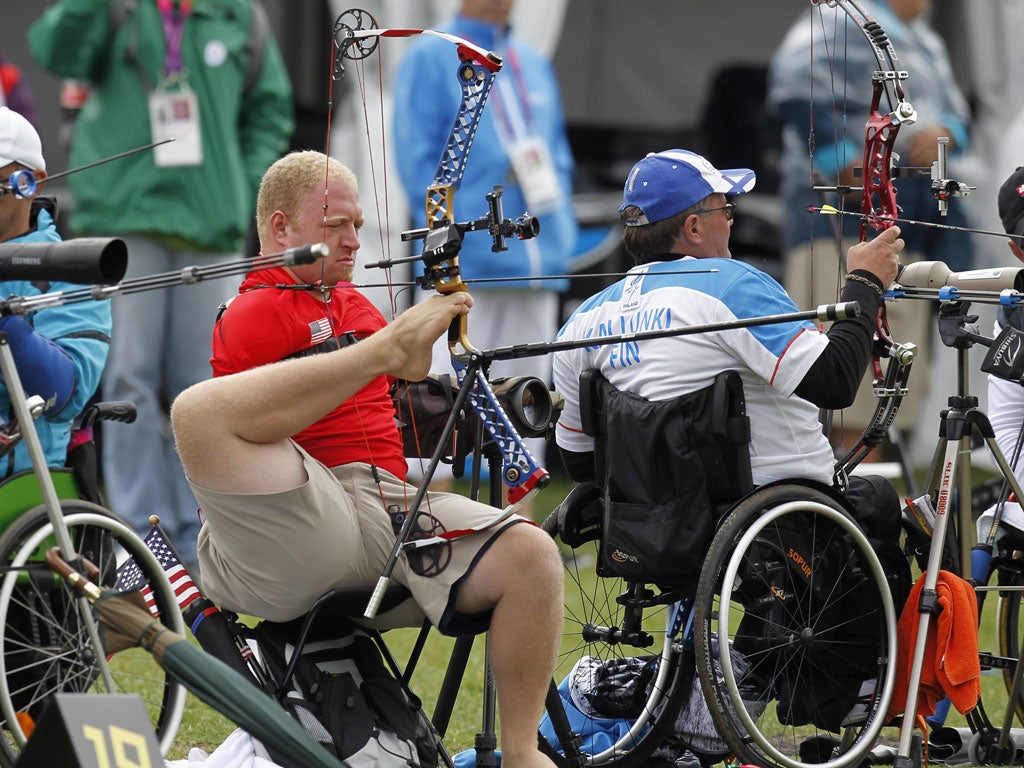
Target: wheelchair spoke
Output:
{"points": [[790, 629], [44, 643]]}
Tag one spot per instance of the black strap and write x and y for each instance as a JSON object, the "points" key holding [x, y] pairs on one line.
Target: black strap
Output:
{"points": [[120, 12], [94, 335], [256, 45]]}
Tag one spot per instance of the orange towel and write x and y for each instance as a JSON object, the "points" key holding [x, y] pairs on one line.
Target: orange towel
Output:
{"points": [[950, 667]]}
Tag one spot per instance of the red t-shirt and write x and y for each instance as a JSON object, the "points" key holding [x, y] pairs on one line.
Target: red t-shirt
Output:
{"points": [[266, 324]]}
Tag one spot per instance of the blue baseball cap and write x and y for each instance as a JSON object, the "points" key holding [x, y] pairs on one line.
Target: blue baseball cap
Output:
{"points": [[666, 183]]}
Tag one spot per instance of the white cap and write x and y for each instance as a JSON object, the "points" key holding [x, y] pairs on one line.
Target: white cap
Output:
{"points": [[19, 142]]}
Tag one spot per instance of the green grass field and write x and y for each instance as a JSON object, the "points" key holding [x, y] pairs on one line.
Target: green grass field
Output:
{"points": [[205, 728]]}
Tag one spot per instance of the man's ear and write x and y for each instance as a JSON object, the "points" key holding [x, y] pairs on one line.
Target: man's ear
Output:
{"points": [[279, 228], [691, 230]]}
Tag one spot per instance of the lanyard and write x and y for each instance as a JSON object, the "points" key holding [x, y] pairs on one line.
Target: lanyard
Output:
{"points": [[173, 14], [513, 109]]}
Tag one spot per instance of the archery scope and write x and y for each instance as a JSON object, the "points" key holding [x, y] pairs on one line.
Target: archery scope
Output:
{"points": [[935, 274], [84, 260], [524, 227], [423, 407], [530, 405]]}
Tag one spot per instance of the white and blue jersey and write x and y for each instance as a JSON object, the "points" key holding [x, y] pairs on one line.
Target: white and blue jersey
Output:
{"points": [[786, 435]]}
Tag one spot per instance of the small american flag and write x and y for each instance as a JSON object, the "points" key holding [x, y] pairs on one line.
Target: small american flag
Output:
{"points": [[319, 330], [130, 576]]}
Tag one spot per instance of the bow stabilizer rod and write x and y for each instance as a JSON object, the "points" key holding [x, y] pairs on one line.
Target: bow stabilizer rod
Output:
{"points": [[19, 305]]}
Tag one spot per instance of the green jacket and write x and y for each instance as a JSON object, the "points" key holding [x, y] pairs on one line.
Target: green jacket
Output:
{"points": [[208, 206]]}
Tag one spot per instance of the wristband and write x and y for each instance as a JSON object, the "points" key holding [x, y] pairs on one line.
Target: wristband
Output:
{"points": [[869, 283]]}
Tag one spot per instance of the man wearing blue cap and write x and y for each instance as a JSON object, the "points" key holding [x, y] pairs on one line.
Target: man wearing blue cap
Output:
{"points": [[663, 472], [677, 224]]}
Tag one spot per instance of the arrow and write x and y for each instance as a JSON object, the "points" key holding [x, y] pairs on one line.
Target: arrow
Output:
{"points": [[831, 210]]}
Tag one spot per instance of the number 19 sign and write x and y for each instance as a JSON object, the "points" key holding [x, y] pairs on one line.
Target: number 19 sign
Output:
{"points": [[81, 730]]}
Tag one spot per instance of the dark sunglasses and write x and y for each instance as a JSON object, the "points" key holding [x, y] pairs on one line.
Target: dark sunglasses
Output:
{"points": [[729, 208]]}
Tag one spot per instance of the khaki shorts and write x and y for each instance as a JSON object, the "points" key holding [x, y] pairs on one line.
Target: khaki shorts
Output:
{"points": [[271, 555], [813, 281]]}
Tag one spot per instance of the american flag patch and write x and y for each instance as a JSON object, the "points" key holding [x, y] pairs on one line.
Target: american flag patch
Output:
{"points": [[130, 575], [319, 330]]}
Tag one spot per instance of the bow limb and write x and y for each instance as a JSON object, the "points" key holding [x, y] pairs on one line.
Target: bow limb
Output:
{"points": [[356, 42], [889, 110], [878, 197], [443, 242]]}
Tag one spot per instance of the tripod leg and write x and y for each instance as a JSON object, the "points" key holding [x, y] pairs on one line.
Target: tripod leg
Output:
{"points": [[487, 741], [928, 604]]}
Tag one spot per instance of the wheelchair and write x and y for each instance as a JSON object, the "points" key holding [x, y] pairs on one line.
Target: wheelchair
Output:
{"points": [[776, 647], [45, 646]]}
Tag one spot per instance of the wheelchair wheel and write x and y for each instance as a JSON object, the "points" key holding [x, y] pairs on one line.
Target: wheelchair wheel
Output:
{"points": [[629, 636], [1009, 627], [795, 632], [44, 644]]}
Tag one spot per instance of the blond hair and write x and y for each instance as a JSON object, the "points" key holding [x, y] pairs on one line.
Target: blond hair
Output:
{"points": [[287, 182]]}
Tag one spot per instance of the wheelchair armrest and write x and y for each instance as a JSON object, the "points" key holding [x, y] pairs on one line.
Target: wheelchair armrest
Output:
{"points": [[116, 410], [580, 513]]}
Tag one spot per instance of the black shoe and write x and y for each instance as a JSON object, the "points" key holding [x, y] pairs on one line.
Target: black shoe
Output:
{"points": [[818, 749]]}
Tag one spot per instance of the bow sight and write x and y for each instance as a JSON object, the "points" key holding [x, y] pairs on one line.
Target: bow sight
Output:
{"points": [[21, 184], [942, 188], [444, 241]]}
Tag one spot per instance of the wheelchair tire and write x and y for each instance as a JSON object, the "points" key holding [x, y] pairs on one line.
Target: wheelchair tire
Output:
{"points": [[593, 627], [798, 664], [44, 645], [1009, 626]]}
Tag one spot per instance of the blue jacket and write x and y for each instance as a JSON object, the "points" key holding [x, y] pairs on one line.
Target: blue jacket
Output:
{"points": [[427, 96], [82, 331]]}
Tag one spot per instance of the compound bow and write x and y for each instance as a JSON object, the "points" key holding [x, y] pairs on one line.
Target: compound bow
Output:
{"points": [[356, 36]]}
